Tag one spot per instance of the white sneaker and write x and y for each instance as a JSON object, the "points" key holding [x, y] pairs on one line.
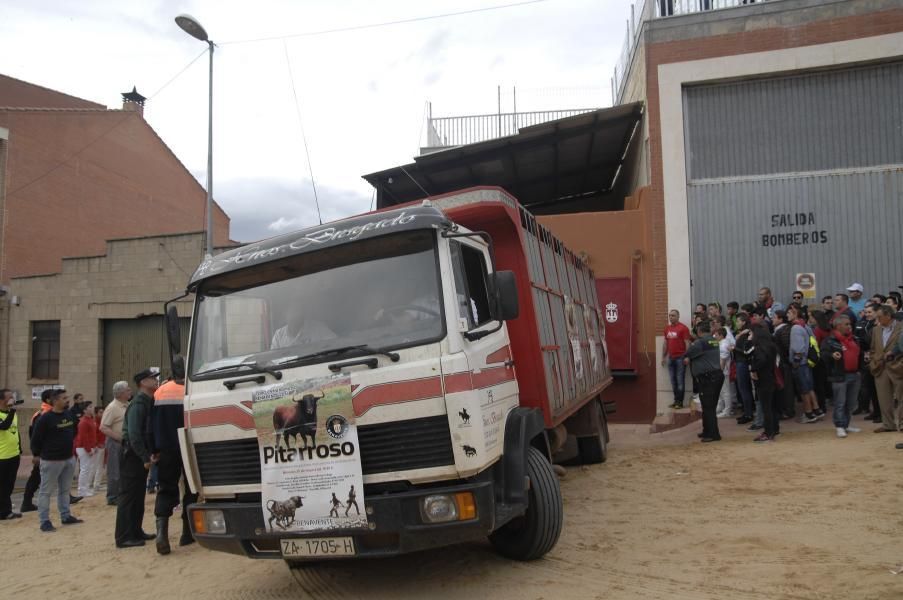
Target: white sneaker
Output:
{"points": [[696, 399], [841, 432], [852, 429]]}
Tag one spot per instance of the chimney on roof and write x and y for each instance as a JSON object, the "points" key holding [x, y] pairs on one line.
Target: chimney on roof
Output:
{"points": [[133, 101]]}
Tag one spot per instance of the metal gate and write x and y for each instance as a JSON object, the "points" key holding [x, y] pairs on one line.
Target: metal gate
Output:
{"points": [[130, 345], [792, 175]]}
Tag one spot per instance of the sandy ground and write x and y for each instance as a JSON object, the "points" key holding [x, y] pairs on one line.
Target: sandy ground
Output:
{"points": [[808, 517]]}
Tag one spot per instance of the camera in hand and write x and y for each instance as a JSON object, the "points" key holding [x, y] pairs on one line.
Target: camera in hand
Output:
{"points": [[18, 402]]}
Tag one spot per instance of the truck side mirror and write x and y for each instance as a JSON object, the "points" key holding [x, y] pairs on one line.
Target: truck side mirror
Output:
{"points": [[173, 330], [504, 286]]}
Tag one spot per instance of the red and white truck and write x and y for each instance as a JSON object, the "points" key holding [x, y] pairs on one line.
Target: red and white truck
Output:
{"points": [[472, 348]]}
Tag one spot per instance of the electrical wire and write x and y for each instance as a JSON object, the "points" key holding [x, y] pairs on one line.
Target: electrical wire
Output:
{"points": [[417, 183], [383, 24], [177, 75], [310, 168], [54, 168]]}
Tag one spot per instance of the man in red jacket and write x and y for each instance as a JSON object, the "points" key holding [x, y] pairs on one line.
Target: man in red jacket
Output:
{"points": [[842, 356]]}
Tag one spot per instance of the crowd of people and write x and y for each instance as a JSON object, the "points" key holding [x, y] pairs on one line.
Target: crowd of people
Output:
{"points": [[124, 440], [764, 359]]}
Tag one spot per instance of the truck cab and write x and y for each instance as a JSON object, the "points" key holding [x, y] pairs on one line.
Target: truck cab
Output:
{"points": [[408, 309]]}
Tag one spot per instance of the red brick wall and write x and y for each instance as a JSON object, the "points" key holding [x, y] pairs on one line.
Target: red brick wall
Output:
{"points": [[78, 178], [760, 40], [14, 92]]}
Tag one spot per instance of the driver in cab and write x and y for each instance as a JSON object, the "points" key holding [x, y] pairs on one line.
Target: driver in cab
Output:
{"points": [[299, 330]]}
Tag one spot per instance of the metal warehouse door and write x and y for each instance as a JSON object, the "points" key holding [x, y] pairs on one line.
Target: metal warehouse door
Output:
{"points": [[792, 175], [130, 345]]}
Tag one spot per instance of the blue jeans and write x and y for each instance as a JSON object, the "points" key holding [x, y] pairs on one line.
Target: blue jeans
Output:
{"points": [[846, 396], [55, 475], [744, 388], [677, 370]]}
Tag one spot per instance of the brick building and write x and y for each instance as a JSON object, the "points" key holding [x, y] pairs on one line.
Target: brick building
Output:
{"points": [[99, 224], [770, 143], [764, 110]]}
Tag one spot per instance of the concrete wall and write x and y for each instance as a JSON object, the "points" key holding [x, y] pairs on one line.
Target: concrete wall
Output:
{"points": [[134, 277]]}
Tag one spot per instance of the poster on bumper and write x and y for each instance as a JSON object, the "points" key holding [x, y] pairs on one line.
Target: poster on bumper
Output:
{"points": [[310, 463]]}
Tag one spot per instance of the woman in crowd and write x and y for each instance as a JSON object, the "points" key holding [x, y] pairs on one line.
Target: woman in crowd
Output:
{"points": [[86, 449]]}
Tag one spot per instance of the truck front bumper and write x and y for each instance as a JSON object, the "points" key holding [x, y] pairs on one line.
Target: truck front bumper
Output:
{"points": [[395, 525]]}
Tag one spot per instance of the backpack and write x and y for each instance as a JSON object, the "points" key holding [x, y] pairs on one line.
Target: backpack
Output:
{"points": [[814, 352]]}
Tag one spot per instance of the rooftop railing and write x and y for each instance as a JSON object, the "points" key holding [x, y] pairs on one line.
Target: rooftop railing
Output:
{"points": [[458, 131], [656, 9]]}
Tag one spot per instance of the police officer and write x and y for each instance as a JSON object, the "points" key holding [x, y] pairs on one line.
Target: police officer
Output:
{"points": [[137, 458], [168, 418], [10, 453]]}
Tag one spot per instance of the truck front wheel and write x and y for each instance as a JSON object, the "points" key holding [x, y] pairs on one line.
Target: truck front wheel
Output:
{"points": [[533, 534]]}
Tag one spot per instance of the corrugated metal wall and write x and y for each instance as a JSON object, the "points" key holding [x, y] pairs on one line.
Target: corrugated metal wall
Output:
{"points": [[813, 122], [858, 228], [757, 217]]}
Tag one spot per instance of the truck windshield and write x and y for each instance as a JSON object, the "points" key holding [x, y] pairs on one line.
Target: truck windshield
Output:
{"points": [[383, 293]]}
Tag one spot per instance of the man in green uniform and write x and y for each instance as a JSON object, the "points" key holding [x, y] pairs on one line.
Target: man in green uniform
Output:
{"points": [[137, 457]]}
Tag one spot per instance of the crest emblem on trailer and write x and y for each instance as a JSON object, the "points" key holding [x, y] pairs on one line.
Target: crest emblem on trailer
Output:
{"points": [[611, 312]]}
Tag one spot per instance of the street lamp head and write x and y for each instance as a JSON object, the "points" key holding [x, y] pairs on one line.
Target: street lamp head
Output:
{"points": [[192, 27]]}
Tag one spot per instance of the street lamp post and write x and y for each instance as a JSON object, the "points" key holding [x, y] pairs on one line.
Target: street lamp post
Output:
{"points": [[192, 27]]}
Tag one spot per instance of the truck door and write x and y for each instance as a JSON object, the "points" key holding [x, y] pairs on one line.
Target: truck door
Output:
{"points": [[479, 398]]}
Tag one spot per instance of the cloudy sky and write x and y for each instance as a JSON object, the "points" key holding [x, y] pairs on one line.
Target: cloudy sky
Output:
{"points": [[361, 93]]}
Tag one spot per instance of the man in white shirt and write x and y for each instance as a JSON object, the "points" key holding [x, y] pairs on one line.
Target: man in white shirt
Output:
{"points": [[299, 330], [111, 427]]}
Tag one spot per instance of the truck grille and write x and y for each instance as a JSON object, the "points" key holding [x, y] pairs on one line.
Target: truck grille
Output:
{"points": [[398, 446]]}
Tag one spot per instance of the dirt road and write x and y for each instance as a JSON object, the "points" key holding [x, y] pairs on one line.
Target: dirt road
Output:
{"points": [[808, 517]]}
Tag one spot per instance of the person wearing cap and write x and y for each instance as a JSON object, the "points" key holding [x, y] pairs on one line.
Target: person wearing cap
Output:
{"points": [[168, 418], [857, 300], [51, 448], [137, 458], [34, 479]]}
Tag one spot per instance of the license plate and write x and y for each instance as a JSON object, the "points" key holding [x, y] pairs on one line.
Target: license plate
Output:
{"points": [[336, 546]]}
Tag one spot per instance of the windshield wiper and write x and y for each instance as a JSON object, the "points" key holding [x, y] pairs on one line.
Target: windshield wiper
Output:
{"points": [[252, 365], [367, 349]]}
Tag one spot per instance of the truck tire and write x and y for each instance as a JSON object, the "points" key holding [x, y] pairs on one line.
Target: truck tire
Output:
{"points": [[533, 534], [594, 448]]}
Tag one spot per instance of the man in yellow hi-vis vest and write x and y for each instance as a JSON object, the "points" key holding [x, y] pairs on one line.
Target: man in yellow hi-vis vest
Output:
{"points": [[10, 454]]}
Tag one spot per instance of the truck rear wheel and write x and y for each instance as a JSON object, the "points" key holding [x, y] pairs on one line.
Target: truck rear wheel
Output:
{"points": [[533, 534], [594, 448]]}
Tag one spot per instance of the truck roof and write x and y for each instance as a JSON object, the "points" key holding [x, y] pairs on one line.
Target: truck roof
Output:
{"points": [[367, 226]]}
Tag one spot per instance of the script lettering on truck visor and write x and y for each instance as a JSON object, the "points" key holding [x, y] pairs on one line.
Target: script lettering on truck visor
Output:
{"points": [[321, 236], [310, 462]]}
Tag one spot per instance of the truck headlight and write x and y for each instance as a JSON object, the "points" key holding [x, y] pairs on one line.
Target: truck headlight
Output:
{"points": [[439, 508], [442, 508], [209, 521]]}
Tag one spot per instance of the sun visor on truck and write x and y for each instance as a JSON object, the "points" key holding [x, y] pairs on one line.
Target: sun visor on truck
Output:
{"points": [[316, 238]]}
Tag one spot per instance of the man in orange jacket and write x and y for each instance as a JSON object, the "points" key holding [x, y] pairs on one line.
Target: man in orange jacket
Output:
{"points": [[168, 418]]}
